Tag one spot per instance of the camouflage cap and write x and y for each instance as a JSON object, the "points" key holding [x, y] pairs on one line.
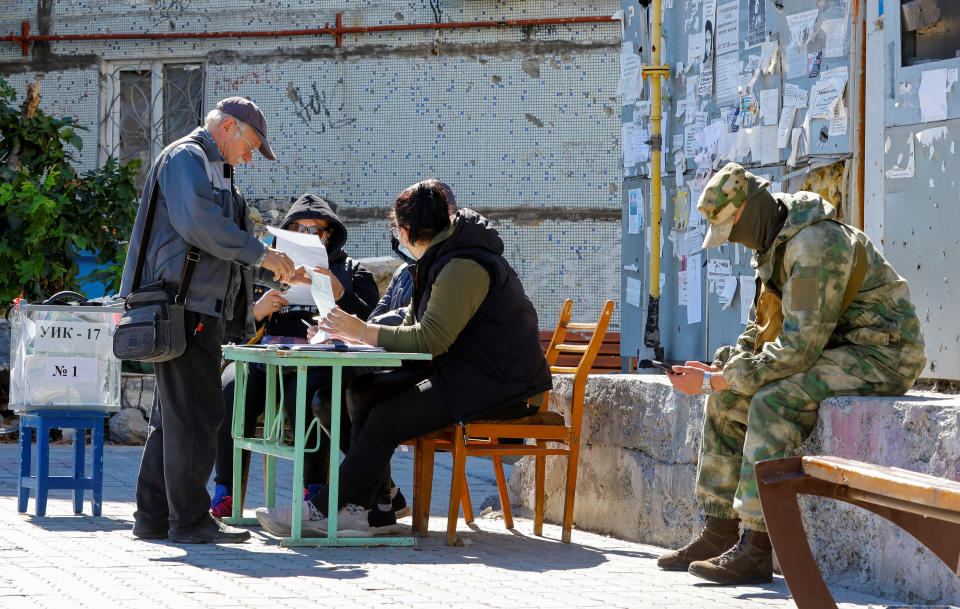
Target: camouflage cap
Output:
{"points": [[725, 193]]}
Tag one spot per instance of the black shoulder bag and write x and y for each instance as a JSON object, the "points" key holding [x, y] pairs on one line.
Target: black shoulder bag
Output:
{"points": [[151, 327]]}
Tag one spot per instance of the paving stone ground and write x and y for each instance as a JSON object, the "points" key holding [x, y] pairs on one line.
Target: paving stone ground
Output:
{"points": [[64, 560]]}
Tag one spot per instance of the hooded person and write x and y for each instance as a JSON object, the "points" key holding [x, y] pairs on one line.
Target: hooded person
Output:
{"points": [[831, 317], [354, 289]]}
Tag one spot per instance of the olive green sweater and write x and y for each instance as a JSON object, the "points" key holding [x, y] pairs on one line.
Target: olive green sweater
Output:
{"points": [[457, 293]]}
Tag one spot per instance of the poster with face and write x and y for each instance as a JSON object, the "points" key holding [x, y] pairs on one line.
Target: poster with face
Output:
{"points": [[709, 27], [756, 22], [705, 85]]}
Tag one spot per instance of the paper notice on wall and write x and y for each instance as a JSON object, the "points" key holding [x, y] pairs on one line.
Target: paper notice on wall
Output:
{"points": [[822, 96], [769, 53], [769, 151], [787, 116], [691, 98], [795, 96], [769, 106], [635, 147], [835, 34], [927, 137], [756, 22], [801, 27], [838, 118], [634, 292], [825, 91], [726, 291], [695, 48], [693, 240], [933, 95], [795, 60], [748, 291], [904, 169], [682, 288], [795, 146], [690, 141], [629, 87], [694, 281], [756, 143], [717, 269], [728, 27], [746, 140], [728, 71], [705, 84], [635, 201]]}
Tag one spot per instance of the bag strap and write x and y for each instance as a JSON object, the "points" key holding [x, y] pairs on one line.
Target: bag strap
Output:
{"points": [[856, 279], [193, 254]]}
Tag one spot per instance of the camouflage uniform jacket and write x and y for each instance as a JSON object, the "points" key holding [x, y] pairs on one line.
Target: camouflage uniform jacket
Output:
{"points": [[811, 261]]}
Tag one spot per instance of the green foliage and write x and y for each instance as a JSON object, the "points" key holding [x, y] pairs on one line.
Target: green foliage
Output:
{"points": [[51, 212]]}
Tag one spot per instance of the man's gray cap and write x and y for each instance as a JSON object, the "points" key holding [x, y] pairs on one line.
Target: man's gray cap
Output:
{"points": [[246, 111]]}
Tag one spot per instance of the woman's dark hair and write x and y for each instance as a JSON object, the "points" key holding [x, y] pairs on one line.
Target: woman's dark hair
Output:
{"points": [[424, 209]]}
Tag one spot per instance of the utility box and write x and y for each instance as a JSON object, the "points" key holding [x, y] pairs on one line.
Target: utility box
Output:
{"points": [[62, 358]]}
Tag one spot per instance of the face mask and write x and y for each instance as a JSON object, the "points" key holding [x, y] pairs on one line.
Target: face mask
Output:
{"points": [[760, 223], [406, 252]]}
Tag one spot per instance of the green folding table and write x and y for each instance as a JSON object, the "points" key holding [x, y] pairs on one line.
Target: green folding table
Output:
{"points": [[272, 444]]}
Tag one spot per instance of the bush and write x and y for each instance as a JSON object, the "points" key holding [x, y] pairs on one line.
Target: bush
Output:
{"points": [[53, 213]]}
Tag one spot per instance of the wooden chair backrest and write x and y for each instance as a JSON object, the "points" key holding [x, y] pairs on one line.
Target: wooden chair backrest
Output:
{"points": [[584, 354]]}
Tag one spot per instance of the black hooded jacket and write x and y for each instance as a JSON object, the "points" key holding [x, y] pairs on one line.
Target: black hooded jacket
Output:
{"points": [[497, 358], [360, 291]]}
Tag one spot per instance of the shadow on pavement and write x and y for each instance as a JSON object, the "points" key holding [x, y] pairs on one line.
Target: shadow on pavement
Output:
{"points": [[509, 552]]}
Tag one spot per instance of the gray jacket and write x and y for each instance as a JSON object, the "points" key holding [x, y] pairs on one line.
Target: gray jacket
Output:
{"points": [[198, 205]]}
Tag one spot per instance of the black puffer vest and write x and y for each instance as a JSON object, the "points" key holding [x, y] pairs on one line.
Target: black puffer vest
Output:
{"points": [[497, 358]]}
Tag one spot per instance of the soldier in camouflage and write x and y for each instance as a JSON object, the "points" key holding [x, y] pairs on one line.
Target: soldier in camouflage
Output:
{"points": [[832, 317]]}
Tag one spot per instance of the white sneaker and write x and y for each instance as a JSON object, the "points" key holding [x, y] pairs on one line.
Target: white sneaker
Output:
{"points": [[276, 520], [352, 521]]}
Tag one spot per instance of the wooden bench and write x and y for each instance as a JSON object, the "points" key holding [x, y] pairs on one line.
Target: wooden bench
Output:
{"points": [[608, 359], [925, 506]]}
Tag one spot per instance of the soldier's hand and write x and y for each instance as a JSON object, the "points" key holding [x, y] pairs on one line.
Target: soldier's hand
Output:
{"points": [[281, 265], [686, 380], [702, 366]]}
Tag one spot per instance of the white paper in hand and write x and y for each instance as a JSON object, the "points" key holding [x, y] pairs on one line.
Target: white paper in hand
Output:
{"points": [[322, 293], [306, 250]]}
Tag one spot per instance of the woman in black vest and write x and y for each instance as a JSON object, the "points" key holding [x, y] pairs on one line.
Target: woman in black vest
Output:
{"points": [[470, 312]]}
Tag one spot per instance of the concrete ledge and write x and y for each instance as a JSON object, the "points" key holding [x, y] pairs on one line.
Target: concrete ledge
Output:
{"points": [[638, 465]]}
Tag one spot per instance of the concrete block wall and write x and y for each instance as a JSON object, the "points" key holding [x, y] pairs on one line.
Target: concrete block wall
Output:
{"points": [[638, 465]]}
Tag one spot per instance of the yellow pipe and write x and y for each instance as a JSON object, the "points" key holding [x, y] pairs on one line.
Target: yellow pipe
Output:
{"points": [[656, 71]]}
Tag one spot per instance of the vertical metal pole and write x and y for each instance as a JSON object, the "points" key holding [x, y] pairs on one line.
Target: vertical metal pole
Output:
{"points": [[656, 150], [656, 72]]}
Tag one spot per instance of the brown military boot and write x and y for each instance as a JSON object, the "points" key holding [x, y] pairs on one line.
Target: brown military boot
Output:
{"points": [[718, 536], [748, 562]]}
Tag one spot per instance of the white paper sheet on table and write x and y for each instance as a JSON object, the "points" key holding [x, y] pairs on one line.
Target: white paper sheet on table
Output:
{"points": [[306, 250]]}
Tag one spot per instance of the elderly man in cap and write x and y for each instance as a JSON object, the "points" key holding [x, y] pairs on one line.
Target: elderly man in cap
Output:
{"points": [[197, 208], [832, 317]]}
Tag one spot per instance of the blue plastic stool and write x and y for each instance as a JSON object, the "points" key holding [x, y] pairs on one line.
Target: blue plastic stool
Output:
{"points": [[43, 421]]}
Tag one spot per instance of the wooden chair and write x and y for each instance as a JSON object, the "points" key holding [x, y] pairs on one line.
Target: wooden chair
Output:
{"points": [[481, 437], [925, 506]]}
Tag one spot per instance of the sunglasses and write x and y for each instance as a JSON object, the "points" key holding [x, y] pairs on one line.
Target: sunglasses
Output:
{"points": [[312, 230]]}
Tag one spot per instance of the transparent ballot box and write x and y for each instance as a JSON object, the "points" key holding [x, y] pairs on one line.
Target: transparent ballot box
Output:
{"points": [[62, 358]]}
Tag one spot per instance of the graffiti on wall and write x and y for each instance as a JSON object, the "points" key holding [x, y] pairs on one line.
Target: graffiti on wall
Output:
{"points": [[317, 110]]}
